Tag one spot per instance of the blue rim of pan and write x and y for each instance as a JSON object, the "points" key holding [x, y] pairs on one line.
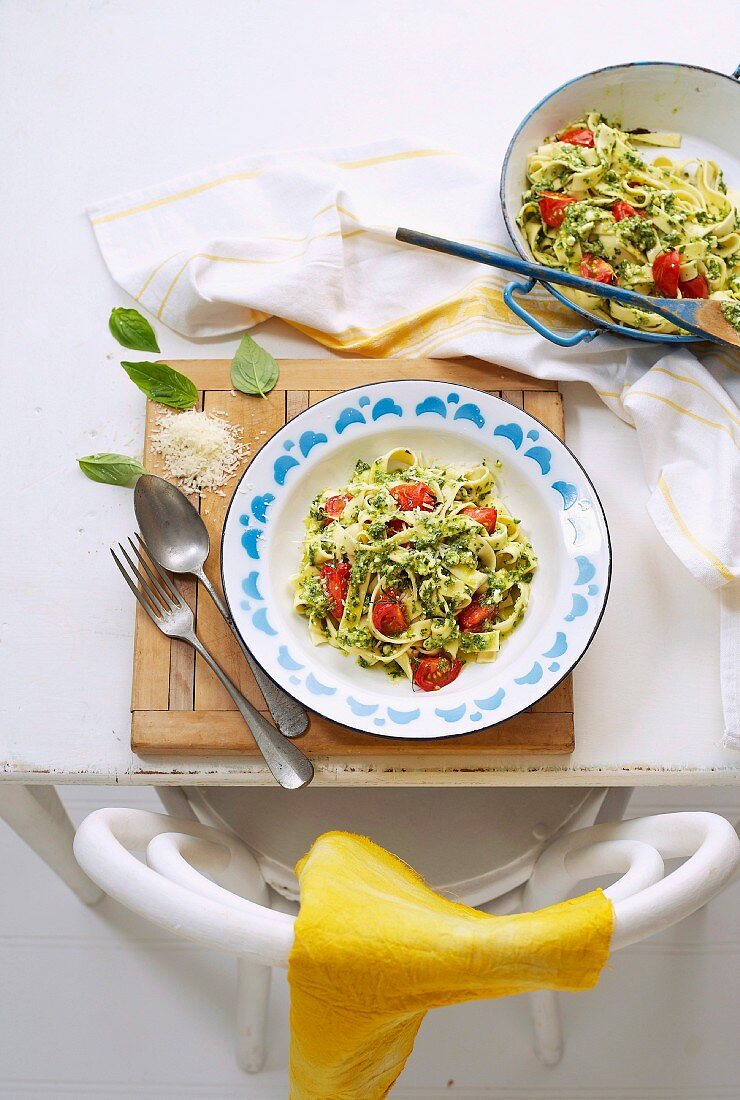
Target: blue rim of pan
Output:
{"points": [[603, 326]]}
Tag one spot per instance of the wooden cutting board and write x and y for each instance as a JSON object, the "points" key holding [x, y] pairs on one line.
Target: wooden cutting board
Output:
{"points": [[179, 708]]}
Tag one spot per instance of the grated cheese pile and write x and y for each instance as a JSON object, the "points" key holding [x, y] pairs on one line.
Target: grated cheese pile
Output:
{"points": [[201, 451]]}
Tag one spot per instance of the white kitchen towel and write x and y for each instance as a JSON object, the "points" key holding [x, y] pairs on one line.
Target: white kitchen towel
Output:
{"points": [[308, 237]]}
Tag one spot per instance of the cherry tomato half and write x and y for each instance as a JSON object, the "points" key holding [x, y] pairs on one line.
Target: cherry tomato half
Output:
{"points": [[578, 137], [622, 210], [694, 288], [433, 673], [485, 516], [593, 267], [334, 507], [666, 268], [553, 207], [394, 526], [389, 616], [473, 618], [415, 494], [336, 583]]}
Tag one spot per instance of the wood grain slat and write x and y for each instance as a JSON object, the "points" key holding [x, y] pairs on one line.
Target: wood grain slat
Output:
{"points": [[547, 407], [150, 685], [558, 701], [224, 732], [179, 708], [306, 374], [259, 419], [182, 656], [314, 396], [514, 397], [296, 402]]}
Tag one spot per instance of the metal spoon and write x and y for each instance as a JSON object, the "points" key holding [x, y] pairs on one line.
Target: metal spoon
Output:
{"points": [[178, 539]]}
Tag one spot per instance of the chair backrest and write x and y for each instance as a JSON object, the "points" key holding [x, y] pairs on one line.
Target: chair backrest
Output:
{"points": [[172, 888], [645, 899], [205, 884]]}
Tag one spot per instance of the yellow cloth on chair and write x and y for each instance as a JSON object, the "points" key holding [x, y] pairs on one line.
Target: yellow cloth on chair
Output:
{"points": [[375, 948]]}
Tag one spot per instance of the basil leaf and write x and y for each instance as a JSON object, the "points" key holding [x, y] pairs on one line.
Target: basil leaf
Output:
{"points": [[132, 330], [163, 384], [112, 469], [253, 370]]}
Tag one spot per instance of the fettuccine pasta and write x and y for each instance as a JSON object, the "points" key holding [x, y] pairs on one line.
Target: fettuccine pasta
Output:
{"points": [[418, 569], [596, 208]]}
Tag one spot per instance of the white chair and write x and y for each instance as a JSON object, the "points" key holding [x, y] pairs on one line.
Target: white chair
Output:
{"points": [[476, 845], [227, 910]]}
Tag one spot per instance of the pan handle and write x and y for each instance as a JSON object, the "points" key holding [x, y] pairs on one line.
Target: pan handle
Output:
{"points": [[585, 335]]}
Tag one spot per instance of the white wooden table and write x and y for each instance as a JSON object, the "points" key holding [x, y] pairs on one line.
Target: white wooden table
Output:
{"points": [[101, 99]]}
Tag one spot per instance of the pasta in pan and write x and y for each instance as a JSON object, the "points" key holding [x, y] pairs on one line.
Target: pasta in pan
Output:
{"points": [[418, 569], [596, 208]]}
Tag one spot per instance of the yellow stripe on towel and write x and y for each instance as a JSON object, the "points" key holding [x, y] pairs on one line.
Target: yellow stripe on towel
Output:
{"points": [[188, 193], [236, 177], [479, 299], [697, 385], [687, 534], [685, 412]]}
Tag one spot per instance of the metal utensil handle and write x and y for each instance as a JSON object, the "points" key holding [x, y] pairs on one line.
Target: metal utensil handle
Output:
{"points": [[290, 717], [534, 271], [290, 767]]}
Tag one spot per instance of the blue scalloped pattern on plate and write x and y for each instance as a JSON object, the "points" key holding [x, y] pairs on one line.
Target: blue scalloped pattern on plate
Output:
{"points": [[432, 405]]}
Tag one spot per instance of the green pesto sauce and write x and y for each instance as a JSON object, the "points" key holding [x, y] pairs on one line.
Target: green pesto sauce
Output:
{"points": [[393, 670], [731, 314], [473, 643], [593, 178], [443, 550]]}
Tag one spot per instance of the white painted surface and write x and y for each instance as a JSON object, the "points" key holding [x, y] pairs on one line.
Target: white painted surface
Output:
{"points": [[128, 1011], [103, 98]]}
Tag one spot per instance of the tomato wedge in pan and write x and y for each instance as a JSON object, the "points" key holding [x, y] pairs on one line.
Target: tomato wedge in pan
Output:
{"points": [[336, 583], [334, 507], [593, 267], [394, 526], [622, 210], [473, 618], [694, 288], [389, 616], [414, 494], [485, 516], [552, 208], [433, 673], [666, 269], [585, 138]]}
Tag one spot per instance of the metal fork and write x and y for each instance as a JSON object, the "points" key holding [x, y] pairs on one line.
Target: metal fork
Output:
{"points": [[171, 614]]}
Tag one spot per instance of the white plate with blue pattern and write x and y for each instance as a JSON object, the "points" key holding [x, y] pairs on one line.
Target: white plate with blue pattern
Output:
{"points": [[542, 483]]}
